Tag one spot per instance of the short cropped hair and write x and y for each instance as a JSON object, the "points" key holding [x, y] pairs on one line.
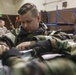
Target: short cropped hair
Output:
{"points": [[28, 7]]}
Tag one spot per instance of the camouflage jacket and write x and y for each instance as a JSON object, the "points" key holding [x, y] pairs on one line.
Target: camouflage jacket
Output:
{"points": [[53, 67], [57, 66]]}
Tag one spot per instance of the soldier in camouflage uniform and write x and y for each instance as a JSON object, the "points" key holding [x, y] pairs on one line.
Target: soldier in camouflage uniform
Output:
{"points": [[30, 26], [42, 44], [31, 30]]}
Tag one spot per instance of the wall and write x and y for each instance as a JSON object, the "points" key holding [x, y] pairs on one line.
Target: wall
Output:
{"points": [[65, 19], [51, 4], [7, 7], [11, 7]]}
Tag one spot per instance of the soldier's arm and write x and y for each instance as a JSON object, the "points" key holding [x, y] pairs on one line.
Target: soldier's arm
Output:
{"points": [[14, 53], [52, 45], [41, 47], [10, 56], [8, 40]]}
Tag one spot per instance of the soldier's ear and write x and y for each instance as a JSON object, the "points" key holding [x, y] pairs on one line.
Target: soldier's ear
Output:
{"points": [[38, 18]]}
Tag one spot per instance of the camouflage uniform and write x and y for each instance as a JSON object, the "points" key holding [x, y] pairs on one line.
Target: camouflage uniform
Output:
{"points": [[55, 66]]}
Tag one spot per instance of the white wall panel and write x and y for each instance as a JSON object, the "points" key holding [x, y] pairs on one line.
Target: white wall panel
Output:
{"points": [[7, 7], [51, 4]]}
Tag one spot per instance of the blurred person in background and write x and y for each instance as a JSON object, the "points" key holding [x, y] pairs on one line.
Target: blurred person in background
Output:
{"points": [[3, 29]]}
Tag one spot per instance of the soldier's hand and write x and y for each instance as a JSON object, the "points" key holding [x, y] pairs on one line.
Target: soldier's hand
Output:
{"points": [[23, 45], [3, 48]]}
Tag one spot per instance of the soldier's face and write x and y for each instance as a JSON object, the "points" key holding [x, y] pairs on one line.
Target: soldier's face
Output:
{"points": [[29, 23]]}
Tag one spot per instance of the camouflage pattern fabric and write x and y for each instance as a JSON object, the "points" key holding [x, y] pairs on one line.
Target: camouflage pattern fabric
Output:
{"points": [[58, 66], [67, 45]]}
